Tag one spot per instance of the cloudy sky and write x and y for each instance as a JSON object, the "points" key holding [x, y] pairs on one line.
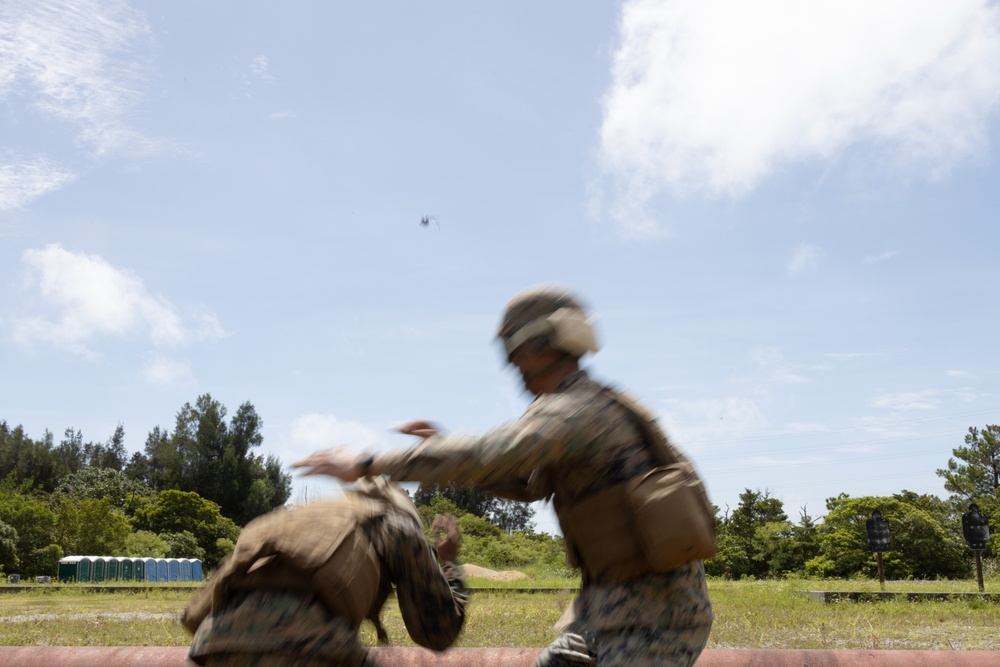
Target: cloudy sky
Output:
{"points": [[783, 213]]}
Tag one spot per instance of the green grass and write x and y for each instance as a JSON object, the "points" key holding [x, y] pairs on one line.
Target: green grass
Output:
{"points": [[749, 614], [780, 615]]}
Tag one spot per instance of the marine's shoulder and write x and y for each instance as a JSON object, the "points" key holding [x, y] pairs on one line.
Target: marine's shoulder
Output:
{"points": [[578, 393]]}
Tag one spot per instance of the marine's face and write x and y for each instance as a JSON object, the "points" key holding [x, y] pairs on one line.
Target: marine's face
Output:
{"points": [[532, 364]]}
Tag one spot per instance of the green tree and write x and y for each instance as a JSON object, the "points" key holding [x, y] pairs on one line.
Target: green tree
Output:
{"points": [[182, 545], [806, 536], [208, 456], [91, 527], [467, 498], [973, 474], [45, 561], [920, 548], [111, 455], [512, 515], [8, 549], [175, 512], [755, 537], [29, 461], [95, 483], [440, 505], [146, 544], [259, 500], [508, 515], [34, 524], [163, 465], [223, 547], [471, 525]]}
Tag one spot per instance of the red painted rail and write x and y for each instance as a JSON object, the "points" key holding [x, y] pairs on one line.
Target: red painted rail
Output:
{"points": [[176, 656]]}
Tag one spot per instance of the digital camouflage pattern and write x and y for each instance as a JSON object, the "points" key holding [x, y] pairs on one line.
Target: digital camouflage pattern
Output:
{"points": [[568, 445], [269, 628]]}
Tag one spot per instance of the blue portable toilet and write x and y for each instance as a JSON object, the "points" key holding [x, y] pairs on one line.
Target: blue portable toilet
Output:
{"points": [[196, 570], [173, 569], [161, 570], [185, 569], [150, 568]]}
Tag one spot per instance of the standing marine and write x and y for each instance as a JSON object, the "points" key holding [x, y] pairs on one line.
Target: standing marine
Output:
{"points": [[632, 510]]}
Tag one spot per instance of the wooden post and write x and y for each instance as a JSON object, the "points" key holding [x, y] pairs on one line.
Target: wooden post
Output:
{"points": [[979, 569], [881, 571]]}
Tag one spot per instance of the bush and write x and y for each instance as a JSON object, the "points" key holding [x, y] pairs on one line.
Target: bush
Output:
{"points": [[146, 544]]}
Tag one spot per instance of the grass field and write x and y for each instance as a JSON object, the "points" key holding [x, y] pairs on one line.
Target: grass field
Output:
{"points": [[749, 614]]}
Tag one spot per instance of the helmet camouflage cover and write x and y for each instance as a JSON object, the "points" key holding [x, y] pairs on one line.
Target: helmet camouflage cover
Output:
{"points": [[550, 312]]}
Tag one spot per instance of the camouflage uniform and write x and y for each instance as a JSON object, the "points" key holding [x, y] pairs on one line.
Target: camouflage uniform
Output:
{"points": [[274, 628], [570, 444]]}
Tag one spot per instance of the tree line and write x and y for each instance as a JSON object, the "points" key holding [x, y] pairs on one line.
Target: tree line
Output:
{"points": [[186, 494], [757, 539], [191, 489]]}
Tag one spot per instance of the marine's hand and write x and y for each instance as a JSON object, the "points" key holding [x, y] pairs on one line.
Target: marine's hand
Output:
{"points": [[420, 428], [338, 462], [447, 547]]}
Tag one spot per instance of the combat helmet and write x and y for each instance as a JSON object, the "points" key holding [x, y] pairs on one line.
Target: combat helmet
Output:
{"points": [[550, 312]]}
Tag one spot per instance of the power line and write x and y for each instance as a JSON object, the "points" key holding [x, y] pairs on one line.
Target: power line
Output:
{"points": [[827, 432]]}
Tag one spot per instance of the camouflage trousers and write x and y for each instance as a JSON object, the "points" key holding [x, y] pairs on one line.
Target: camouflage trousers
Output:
{"points": [[678, 648], [275, 629], [661, 618]]}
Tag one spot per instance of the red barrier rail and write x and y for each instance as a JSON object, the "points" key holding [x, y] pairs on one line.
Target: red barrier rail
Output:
{"points": [[176, 656]]}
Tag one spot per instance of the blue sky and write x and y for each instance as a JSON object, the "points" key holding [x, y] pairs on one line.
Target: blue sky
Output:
{"points": [[783, 214]]}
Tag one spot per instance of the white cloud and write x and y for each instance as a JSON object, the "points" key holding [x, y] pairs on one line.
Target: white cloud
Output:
{"points": [[87, 298], [850, 356], [282, 115], [770, 360], [165, 370], [874, 259], [926, 399], [75, 62], [806, 258], [960, 374], [712, 97], [259, 68], [22, 181]]}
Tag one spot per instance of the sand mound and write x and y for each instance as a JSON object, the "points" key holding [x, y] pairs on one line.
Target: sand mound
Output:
{"points": [[507, 575]]}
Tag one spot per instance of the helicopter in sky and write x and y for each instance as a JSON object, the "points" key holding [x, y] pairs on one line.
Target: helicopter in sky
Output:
{"points": [[426, 221]]}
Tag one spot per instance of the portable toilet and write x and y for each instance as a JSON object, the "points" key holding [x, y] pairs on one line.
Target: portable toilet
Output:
{"points": [[196, 570], [86, 571], [139, 570], [173, 569], [161, 570], [150, 569], [100, 572], [114, 568], [128, 569], [185, 569], [69, 569]]}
